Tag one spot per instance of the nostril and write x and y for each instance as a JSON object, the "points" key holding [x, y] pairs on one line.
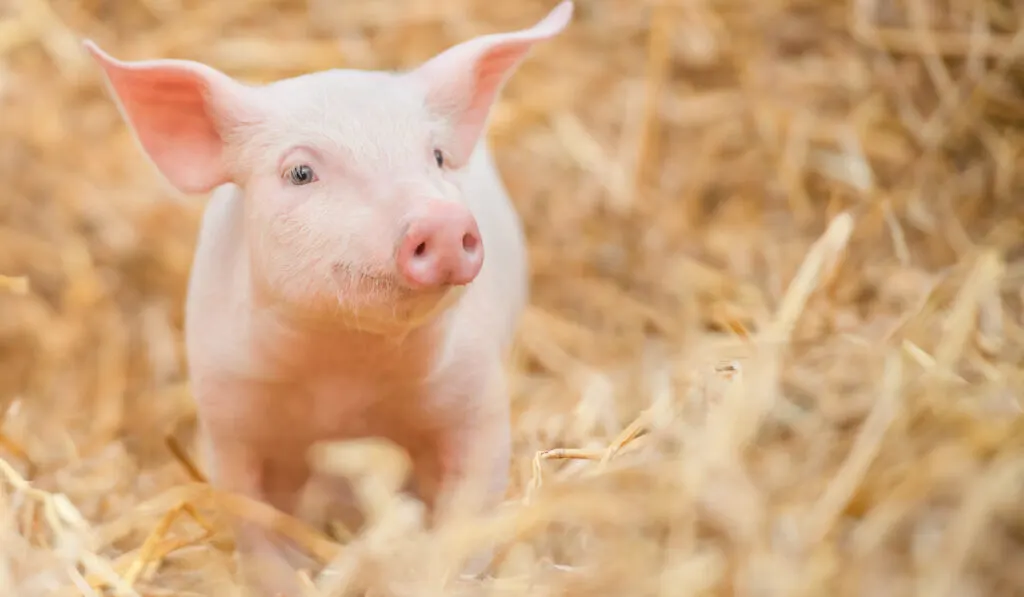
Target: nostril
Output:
{"points": [[420, 249], [469, 242]]}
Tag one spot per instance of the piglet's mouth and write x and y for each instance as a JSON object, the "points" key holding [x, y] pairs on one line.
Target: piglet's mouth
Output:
{"points": [[379, 303], [386, 292], [374, 286]]}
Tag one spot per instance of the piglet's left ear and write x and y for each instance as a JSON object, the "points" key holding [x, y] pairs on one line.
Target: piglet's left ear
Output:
{"points": [[463, 82]]}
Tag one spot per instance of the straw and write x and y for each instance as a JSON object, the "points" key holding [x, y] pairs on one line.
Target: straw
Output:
{"points": [[775, 342]]}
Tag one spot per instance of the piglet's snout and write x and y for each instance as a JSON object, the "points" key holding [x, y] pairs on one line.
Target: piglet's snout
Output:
{"points": [[441, 246]]}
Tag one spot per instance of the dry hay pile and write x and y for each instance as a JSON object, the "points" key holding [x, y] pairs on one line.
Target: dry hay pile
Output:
{"points": [[776, 338]]}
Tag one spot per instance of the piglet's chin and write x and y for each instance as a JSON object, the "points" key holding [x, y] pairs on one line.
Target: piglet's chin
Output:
{"points": [[380, 306]]}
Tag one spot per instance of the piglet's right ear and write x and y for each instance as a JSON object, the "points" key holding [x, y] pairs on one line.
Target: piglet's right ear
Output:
{"points": [[179, 111]]}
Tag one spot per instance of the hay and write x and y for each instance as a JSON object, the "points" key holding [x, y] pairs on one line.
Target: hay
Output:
{"points": [[775, 346]]}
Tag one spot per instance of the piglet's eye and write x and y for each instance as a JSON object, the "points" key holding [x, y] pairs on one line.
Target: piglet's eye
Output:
{"points": [[439, 157], [301, 174]]}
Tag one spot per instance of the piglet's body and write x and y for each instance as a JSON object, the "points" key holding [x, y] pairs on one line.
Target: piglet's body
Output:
{"points": [[359, 271]]}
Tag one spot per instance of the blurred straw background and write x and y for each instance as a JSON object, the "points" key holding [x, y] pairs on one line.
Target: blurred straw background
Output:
{"points": [[775, 346]]}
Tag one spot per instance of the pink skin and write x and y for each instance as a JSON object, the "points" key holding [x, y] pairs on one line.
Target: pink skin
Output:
{"points": [[339, 288], [440, 247]]}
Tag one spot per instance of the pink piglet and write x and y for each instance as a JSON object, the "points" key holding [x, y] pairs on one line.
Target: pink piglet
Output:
{"points": [[359, 270]]}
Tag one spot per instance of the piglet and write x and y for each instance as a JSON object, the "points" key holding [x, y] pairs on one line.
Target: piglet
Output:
{"points": [[340, 288]]}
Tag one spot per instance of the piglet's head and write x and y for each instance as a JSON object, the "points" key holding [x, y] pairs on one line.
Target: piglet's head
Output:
{"points": [[354, 181]]}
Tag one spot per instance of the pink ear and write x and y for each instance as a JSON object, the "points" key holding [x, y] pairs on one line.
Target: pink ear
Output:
{"points": [[178, 111], [463, 81]]}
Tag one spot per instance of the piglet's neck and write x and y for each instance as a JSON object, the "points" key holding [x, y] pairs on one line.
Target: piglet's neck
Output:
{"points": [[336, 347]]}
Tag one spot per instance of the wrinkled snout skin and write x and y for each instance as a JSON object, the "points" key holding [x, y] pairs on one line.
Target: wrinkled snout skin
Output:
{"points": [[359, 271]]}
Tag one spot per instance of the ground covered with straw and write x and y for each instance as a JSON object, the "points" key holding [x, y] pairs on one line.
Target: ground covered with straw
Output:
{"points": [[775, 346]]}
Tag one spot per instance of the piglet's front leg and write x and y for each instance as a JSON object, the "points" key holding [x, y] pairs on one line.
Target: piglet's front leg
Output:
{"points": [[485, 480], [264, 564], [266, 570], [468, 472]]}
